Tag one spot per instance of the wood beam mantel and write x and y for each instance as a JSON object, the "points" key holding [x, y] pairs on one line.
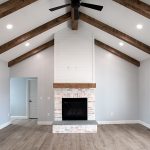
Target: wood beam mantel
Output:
{"points": [[117, 53], [5, 47], [11, 6], [102, 26], [30, 53], [137, 6], [74, 85]]}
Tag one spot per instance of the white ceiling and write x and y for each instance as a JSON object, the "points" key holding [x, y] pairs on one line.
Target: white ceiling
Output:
{"points": [[38, 13]]}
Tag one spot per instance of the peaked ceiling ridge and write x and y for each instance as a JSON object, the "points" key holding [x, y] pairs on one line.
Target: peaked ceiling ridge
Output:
{"points": [[96, 23], [92, 21]]}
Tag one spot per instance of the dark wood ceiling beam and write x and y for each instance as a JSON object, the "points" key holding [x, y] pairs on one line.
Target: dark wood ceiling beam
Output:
{"points": [[11, 6], [5, 47], [30, 53], [74, 23], [137, 6], [117, 53], [102, 26]]}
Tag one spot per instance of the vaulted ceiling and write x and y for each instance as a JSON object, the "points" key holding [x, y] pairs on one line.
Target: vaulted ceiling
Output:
{"points": [[37, 14]]}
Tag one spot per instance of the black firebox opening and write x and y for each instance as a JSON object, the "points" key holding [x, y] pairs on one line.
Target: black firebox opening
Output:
{"points": [[74, 108]]}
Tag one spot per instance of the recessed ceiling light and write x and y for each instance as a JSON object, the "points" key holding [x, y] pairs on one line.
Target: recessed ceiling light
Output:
{"points": [[121, 43], [27, 44], [139, 26], [9, 26]]}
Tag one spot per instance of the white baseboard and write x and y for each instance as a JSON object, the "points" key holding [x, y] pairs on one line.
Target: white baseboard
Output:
{"points": [[144, 124], [18, 117], [44, 122], [119, 122], [125, 122], [5, 125], [99, 122]]}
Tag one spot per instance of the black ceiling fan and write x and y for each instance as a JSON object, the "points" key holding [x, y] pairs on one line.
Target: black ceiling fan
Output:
{"points": [[75, 4]]}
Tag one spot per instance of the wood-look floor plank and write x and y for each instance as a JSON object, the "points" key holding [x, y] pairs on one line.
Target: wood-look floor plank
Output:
{"points": [[27, 135]]}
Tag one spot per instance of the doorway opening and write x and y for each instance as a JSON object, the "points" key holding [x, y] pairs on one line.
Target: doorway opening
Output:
{"points": [[23, 98]]}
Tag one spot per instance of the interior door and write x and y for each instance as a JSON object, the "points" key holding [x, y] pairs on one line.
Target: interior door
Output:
{"points": [[32, 99]]}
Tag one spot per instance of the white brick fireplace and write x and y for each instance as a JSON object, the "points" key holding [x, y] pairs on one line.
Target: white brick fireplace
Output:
{"points": [[74, 77], [74, 93]]}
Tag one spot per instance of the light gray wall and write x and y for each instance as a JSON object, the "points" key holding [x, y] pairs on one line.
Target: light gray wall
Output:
{"points": [[144, 91], [18, 96], [117, 88], [4, 93], [117, 85], [41, 66]]}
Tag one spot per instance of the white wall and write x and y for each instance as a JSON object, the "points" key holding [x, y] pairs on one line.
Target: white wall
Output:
{"points": [[117, 88], [116, 79], [41, 66], [18, 96], [74, 57], [4, 94], [144, 91]]}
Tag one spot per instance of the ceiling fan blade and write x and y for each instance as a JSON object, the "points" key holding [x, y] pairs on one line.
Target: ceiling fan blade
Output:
{"points": [[59, 7], [92, 6]]}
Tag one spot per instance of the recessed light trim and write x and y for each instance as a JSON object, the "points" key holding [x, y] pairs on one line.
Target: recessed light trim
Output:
{"points": [[27, 44], [9, 26], [121, 44], [139, 26]]}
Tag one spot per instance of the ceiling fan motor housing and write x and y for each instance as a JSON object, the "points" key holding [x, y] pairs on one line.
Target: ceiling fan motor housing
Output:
{"points": [[75, 4]]}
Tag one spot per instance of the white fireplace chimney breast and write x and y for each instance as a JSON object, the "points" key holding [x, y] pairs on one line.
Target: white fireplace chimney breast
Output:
{"points": [[74, 57]]}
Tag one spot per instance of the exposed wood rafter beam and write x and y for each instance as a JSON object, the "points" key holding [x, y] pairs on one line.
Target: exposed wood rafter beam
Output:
{"points": [[11, 6], [30, 53], [5, 47], [137, 6], [102, 26], [117, 53], [74, 22]]}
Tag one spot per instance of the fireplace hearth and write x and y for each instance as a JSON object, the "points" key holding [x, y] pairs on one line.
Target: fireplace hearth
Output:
{"points": [[74, 109]]}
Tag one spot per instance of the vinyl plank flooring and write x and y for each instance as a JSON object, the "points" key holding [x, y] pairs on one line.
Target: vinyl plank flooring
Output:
{"points": [[27, 135]]}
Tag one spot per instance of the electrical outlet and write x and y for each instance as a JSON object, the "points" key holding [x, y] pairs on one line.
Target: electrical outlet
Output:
{"points": [[48, 114]]}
